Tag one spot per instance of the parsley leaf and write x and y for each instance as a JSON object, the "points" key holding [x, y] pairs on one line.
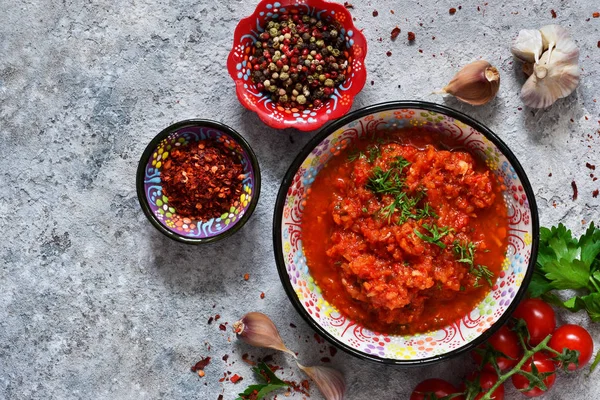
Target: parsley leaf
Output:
{"points": [[259, 391], [436, 232], [565, 262]]}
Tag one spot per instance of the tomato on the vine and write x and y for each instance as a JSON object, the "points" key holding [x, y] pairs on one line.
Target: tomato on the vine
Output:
{"points": [[438, 387], [539, 318], [486, 381], [506, 342], [543, 363], [573, 337]]}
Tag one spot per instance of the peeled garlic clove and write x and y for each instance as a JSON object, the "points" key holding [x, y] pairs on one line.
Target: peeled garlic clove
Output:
{"points": [[558, 39], [476, 83], [330, 381], [258, 330], [528, 46], [552, 78]]}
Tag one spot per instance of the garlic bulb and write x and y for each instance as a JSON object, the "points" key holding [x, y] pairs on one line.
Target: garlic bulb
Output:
{"points": [[553, 78], [528, 46], [476, 83], [556, 73]]}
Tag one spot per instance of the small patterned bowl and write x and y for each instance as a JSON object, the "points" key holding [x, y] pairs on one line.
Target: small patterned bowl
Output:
{"points": [[156, 205], [246, 34], [464, 334]]}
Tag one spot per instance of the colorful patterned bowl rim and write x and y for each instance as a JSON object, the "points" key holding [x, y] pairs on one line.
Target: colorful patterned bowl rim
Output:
{"points": [[203, 123], [340, 123]]}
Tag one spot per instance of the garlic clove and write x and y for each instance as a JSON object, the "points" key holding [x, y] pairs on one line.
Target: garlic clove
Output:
{"points": [[258, 330], [558, 39], [476, 83], [552, 78], [528, 46], [330, 381]]}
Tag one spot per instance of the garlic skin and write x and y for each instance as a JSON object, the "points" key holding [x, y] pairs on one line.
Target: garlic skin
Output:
{"points": [[528, 46], [553, 78], [476, 83], [330, 381], [258, 330], [558, 39]]}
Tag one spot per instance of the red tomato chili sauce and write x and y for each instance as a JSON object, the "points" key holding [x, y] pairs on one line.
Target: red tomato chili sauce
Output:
{"points": [[405, 233]]}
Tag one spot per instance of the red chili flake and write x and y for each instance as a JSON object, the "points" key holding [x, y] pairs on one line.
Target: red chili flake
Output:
{"points": [[222, 327], [574, 186], [225, 357], [318, 338], [420, 51], [395, 33], [210, 320], [596, 15], [202, 179], [325, 359], [217, 317], [332, 351], [550, 174], [590, 166], [220, 397], [292, 325], [411, 36], [452, 11], [375, 13], [200, 365], [389, 53], [553, 13], [372, 83], [348, 5], [595, 193], [262, 295], [246, 277], [599, 44], [392, 12], [460, 7], [236, 378]]}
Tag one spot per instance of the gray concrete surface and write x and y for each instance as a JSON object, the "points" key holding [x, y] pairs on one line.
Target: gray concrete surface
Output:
{"points": [[96, 303]]}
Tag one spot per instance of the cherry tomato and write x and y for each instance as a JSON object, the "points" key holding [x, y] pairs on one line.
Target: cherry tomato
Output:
{"points": [[573, 337], [543, 363], [504, 341], [539, 317], [438, 387], [486, 381]]}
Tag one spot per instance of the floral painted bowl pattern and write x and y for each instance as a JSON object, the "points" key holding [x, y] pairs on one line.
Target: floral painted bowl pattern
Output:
{"points": [[159, 203], [432, 345], [246, 34]]}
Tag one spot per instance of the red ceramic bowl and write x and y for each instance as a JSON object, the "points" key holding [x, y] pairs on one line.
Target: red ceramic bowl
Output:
{"points": [[339, 103]]}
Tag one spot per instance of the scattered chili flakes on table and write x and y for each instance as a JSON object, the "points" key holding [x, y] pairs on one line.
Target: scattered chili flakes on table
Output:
{"points": [[348, 5], [411, 36], [574, 186], [395, 32], [246, 277], [262, 295], [596, 15], [235, 378], [202, 180], [452, 11], [553, 13], [200, 365], [375, 13], [389, 53]]}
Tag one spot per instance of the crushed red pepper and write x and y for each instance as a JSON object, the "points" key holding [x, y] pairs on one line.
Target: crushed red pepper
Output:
{"points": [[553, 13], [452, 11], [202, 180], [375, 13], [395, 33], [411, 36], [200, 365], [574, 186]]}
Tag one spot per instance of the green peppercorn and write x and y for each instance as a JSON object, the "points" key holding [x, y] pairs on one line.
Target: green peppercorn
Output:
{"points": [[320, 43], [273, 32], [301, 99], [283, 99], [329, 82], [322, 78], [335, 52], [333, 33], [284, 76]]}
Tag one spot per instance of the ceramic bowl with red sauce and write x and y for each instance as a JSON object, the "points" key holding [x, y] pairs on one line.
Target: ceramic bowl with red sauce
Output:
{"points": [[405, 233], [198, 181]]}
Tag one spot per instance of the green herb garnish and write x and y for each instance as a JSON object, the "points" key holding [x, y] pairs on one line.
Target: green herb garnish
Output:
{"points": [[465, 253], [373, 153], [259, 391], [385, 182], [565, 262], [436, 232]]}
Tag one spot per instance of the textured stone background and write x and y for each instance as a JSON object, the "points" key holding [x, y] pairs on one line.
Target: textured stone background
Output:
{"points": [[96, 303]]}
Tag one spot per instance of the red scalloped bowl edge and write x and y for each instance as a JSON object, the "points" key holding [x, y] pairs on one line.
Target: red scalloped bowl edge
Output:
{"points": [[359, 52]]}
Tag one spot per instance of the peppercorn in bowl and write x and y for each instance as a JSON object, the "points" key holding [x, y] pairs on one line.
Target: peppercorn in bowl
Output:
{"points": [[298, 63], [198, 181]]}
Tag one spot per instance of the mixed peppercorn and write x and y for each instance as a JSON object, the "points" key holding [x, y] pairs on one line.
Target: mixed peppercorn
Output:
{"points": [[299, 60], [202, 180]]}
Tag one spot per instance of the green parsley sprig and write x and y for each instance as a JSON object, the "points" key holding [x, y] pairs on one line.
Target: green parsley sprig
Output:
{"points": [[465, 253], [259, 391], [565, 262], [436, 233]]}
